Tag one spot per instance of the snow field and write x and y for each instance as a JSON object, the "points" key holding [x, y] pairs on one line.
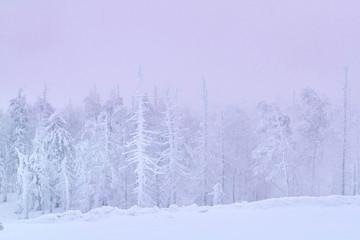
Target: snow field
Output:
{"points": [[330, 218]]}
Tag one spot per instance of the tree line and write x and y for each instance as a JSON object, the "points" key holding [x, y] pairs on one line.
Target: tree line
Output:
{"points": [[160, 153]]}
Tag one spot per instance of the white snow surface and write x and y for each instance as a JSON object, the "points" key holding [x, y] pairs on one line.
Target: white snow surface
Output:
{"points": [[305, 218]]}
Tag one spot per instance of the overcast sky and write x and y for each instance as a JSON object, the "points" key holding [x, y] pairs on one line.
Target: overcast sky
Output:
{"points": [[245, 49]]}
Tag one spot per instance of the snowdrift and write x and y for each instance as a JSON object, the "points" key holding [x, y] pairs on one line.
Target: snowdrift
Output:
{"points": [[333, 217]]}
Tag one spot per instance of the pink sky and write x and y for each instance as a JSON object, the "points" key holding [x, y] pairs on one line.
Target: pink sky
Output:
{"points": [[245, 49]]}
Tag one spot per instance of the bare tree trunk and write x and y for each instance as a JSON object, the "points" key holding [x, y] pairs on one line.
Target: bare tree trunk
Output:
{"points": [[357, 162], [222, 157], [205, 145], [345, 135], [313, 171]]}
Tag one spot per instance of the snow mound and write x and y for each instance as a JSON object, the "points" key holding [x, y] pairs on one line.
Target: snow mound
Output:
{"points": [[328, 201], [96, 214], [66, 216], [107, 211], [310, 218]]}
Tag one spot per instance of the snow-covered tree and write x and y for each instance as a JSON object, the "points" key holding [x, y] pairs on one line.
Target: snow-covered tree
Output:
{"points": [[217, 194], [90, 154], [222, 156], [146, 167], [92, 104], [19, 136], [238, 142], [3, 180], [208, 152], [356, 168], [160, 152], [24, 180], [101, 157], [203, 149], [345, 136], [173, 155], [274, 153], [5, 127], [58, 165], [313, 129], [119, 134], [42, 109]]}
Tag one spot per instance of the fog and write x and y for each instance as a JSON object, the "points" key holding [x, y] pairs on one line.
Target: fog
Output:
{"points": [[245, 50], [185, 147]]}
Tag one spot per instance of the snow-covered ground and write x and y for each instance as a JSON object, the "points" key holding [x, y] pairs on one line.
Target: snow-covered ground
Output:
{"points": [[305, 218]]}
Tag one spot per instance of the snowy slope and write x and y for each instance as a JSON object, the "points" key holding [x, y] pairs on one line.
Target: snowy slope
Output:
{"points": [[330, 218]]}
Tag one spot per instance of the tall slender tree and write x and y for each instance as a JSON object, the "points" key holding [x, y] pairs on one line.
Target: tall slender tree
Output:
{"points": [[204, 141], [19, 137], [5, 128], [146, 167], [174, 149], [313, 128], [58, 164], [345, 135], [24, 180]]}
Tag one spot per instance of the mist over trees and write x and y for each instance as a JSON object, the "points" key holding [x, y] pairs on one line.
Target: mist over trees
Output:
{"points": [[158, 153]]}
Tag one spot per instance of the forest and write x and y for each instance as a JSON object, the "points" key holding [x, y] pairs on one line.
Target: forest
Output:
{"points": [[159, 152]]}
